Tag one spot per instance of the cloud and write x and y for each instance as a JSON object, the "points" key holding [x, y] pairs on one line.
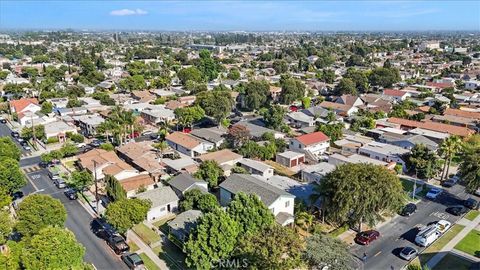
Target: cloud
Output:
{"points": [[128, 12]]}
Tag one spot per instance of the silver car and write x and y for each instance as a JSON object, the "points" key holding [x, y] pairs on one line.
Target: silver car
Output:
{"points": [[408, 253]]}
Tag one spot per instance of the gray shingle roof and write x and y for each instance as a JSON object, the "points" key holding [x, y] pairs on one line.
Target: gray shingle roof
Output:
{"points": [[185, 221], [159, 196], [246, 183], [183, 182]]}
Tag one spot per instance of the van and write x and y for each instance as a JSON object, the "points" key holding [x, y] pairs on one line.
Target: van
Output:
{"points": [[427, 235], [53, 174]]}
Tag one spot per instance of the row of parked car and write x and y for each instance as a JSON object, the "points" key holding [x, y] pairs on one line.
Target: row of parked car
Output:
{"points": [[118, 244], [21, 141]]}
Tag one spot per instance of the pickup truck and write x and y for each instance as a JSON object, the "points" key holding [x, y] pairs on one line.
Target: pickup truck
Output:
{"points": [[118, 244]]}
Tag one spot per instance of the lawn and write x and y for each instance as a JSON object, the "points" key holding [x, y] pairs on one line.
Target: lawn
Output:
{"points": [[133, 246], [470, 243], [171, 254], [148, 262], [162, 221], [148, 235], [70, 165], [472, 214], [433, 249], [280, 169], [451, 261]]}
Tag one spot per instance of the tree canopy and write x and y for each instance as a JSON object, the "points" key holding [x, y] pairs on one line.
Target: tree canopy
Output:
{"points": [[81, 179], [124, 214], [210, 171], [250, 213], [256, 94], [39, 211], [216, 104], [292, 90], [323, 250], [188, 115], [422, 161], [9, 149], [11, 177], [273, 116]]}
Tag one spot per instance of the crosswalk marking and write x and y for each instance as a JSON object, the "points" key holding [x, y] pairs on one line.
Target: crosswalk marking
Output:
{"points": [[31, 169], [26, 154]]}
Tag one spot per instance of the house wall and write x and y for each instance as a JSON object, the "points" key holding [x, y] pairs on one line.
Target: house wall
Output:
{"points": [[225, 196], [282, 204], [315, 149], [180, 148], [267, 173], [381, 156], [125, 174], [161, 211]]}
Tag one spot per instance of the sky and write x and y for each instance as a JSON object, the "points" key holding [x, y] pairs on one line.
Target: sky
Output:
{"points": [[241, 15]]}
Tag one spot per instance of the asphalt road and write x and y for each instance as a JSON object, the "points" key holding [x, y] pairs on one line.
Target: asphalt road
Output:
{"points": [[382, 254], [78, 221]]}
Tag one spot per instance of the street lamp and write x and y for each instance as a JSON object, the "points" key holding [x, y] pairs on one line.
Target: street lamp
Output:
{"points": [[96, 185]]}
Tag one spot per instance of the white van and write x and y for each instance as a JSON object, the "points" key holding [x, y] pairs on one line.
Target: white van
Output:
{"points": [[427, 235]]}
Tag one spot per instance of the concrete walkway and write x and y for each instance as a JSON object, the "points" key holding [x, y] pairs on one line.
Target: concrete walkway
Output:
{"points": [[470, 225], [144, 248]]}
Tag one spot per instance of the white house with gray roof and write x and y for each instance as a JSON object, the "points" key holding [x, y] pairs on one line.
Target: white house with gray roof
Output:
{"points": [[185, 182], [164, 201], [277, 200], [256, 167]]}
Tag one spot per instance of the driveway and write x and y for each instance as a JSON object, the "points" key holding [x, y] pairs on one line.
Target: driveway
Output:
{"points": [[383, 253], [78, 221]]}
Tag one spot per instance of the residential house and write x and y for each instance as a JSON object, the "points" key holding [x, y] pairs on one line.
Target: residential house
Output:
{"points": [[214, 135], [350, 100], [181, 226], [185, 182], [407, 141], [396, 95], [472, 85], [104, 162], [137, 183], [143, 96], [299, 119], [156, 114], [315, 172], [278, 201], [257, 128], [313, 144], [256, 167], [338, 108], [429, 125], [58, 129], [164, 201], [290, 158], [88, 123], [338, 159], [24, 105], [143, 157], [384, 152], [225, 158], [188, 144], [351, 143]]}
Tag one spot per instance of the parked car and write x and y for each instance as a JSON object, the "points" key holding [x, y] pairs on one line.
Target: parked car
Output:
{"points": [[60, 183], [471, 203], [17, 195], [408, 209], [118, 244], [15, 134], [133, 261], [101, 228], [434, 193], [457, 210], [450, 182], [96, 143], [43, 164], [3, 120], [71, 193], [26, 147], [408, 253], [443, 225], [20, 140], [367, 237]]}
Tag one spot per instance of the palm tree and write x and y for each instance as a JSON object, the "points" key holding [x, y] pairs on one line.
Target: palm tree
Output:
{"points": [[448, 149], [305, 219], [160, 147], [470, 169]]}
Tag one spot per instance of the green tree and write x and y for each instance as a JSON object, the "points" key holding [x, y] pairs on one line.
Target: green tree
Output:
{"points": [[210, 171], [11, 177], [256, 95], [448, 149], [326, 76], [53, 248], [207, 203], [333, 131], [359, 77], [27, 132], [469, 168], [233, 74], [422, 161], [114, 190], [280, 66], [238, 135], [324, 251], [9, 149], [250, 213], [135, 82], [6, 226], [362, 123], [74, 102], [81, 179], [274, 247], [324, 60], [358, 193], [190, 199], [216, 104], [345, 86], [208, 66], [5, 198], [11, 260], [273, 116], [39, 211], [188, 115], [107, 147], [292, 90], [213, 239], [306, 101], [47, 107], [384, 77], [124, 214], [190, 74]]}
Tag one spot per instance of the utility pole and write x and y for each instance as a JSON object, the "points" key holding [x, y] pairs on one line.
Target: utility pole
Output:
{"points": [[33, 131], [96, 186], [414, 185]]}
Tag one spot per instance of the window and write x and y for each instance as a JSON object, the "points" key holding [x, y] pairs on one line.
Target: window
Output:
{"points": [[287, 203]]}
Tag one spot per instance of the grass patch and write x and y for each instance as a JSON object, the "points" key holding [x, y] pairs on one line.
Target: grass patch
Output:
{"points": [[133, 246], [470, 243], [472, 214], [433, 249], [339, 231], [280, 169], [148, 235], [148, 262], [172, 255], [162, 221], [451, 261]]}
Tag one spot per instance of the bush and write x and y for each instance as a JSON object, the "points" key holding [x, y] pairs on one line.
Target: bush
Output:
{"points": [[52, 140], [77, 138]]}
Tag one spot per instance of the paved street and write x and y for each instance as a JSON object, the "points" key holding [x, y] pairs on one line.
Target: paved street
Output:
{"points": [[401, 231], [78, 221]]}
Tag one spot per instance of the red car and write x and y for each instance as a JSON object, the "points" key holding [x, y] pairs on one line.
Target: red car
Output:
{"points": [[367, 237]]}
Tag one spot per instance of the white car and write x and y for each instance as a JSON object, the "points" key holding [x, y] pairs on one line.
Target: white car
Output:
{"points": [[434, 193], [443, 225]]}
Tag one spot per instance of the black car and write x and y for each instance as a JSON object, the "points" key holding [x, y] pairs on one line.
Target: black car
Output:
{"points": [[133, 261], [3, 121], [43, 164], [408, 209], [15, 134], [17, 195], [71, 194], [457, 210], [449, 183], [102, 229], [118, 244], [470, 203]]}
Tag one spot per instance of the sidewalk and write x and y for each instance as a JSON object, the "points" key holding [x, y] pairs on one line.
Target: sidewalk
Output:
{"points": [[144, 248], [450, 245]]}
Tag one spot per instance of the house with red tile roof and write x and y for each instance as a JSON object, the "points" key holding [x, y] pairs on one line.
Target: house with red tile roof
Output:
{"points": [[313, 144], [24, 105], [339, 108], [433, 126]]}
